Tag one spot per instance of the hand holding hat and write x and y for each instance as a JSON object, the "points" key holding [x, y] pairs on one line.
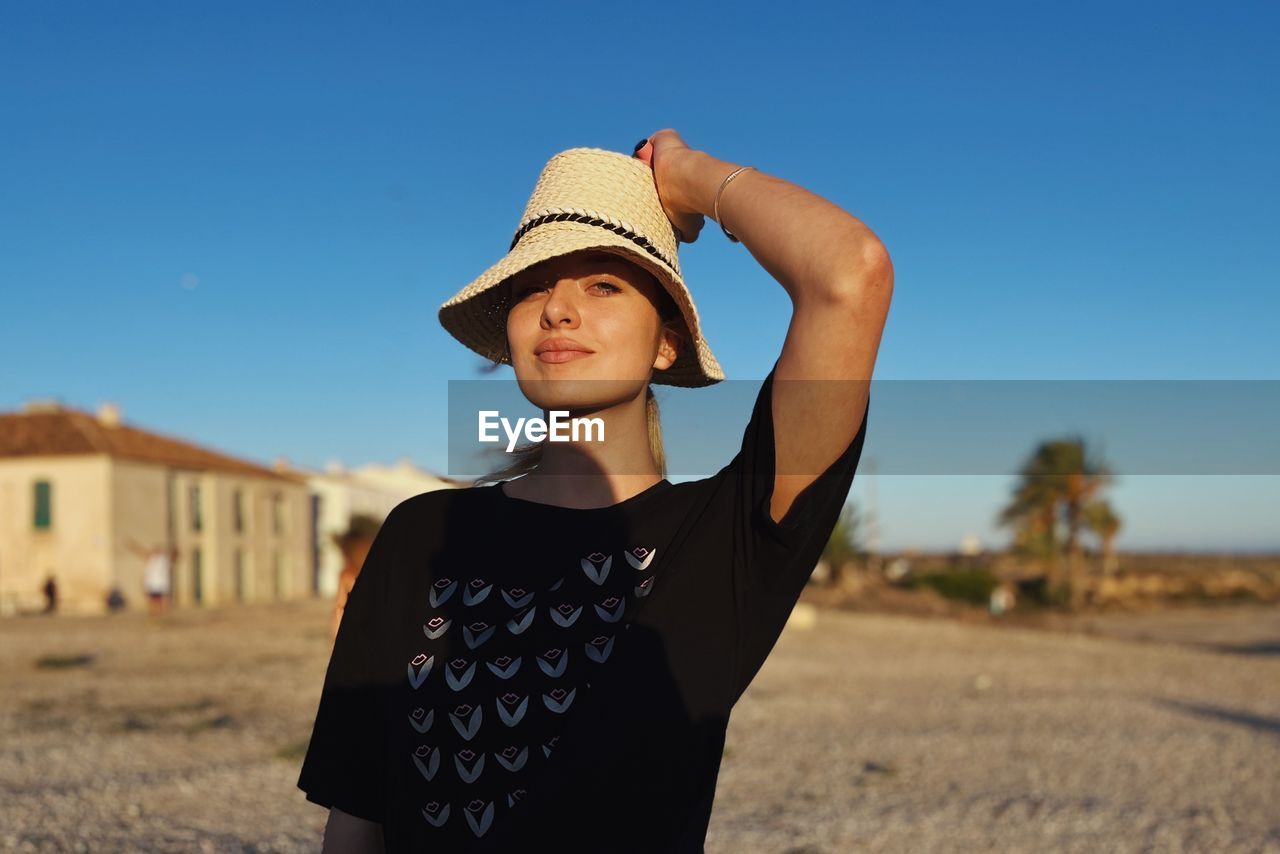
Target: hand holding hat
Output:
{"points": [[661, 152]]}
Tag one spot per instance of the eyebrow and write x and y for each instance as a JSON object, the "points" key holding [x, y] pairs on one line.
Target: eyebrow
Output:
{"points": [[600, 259], [604, 259]]}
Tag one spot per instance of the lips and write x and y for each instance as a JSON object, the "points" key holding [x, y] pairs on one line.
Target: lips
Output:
{"points": [[555, 350], [555, 357], [560, 345]]}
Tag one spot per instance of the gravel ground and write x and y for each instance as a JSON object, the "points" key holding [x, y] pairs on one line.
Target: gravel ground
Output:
{"points": [[867, 732]]}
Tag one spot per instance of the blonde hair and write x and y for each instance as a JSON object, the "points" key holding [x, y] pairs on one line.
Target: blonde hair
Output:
{"points": [[526, 458]]}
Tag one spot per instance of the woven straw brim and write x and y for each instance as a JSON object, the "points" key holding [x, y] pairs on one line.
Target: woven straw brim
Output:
{"points": [[477, 314]]}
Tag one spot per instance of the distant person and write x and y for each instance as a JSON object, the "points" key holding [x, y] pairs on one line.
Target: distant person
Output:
{"points": [[898, 571], [1002, 599], [115, 601], [50, 595], [354, 543], [156, 576]]}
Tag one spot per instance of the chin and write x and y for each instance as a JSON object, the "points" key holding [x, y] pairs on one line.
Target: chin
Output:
{"points": [[574, 386]]}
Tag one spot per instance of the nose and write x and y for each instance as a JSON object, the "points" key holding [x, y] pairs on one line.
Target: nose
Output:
{"points": [[560, 307]]}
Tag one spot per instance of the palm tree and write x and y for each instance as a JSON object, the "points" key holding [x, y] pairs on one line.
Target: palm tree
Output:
{"points": [[1101, 519], [1059, 479], [1031, 514]]}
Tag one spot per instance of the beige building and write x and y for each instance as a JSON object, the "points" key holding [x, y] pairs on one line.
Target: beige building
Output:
{"points": [[79, 491], [369, 490]]}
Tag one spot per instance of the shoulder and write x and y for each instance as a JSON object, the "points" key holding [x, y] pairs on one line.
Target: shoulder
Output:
{"points": [[436, 499], [428, 511], [688, 503]]}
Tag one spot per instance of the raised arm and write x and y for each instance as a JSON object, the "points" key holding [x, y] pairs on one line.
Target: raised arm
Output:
{"points": [[840, 280]]}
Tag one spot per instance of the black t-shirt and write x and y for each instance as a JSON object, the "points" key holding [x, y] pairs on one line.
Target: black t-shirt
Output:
{"points": [[511, 675]]}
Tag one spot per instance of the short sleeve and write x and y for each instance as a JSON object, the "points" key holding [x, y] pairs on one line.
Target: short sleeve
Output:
{"points": [[773, 560], [345, 765]]}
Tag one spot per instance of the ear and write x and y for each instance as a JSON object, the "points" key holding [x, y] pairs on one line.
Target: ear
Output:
{"points": [[668, 348]]}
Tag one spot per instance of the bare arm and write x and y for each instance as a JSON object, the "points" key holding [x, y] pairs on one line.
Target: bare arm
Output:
{"points": [[345, 582], [346, 834], [840, 280]]}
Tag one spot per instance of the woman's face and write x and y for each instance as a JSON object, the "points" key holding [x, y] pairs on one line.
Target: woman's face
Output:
{"points": [[604, 307]]}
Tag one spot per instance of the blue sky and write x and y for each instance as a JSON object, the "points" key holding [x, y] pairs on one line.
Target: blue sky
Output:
{"points": [[238, 220]]}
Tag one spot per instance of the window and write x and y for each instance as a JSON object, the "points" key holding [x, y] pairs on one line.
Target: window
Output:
{"points": [[315, 545], [197, 522], [237, 511], [278, 573], [43, 504], [277, 512], [197, 575], [237, 570]]}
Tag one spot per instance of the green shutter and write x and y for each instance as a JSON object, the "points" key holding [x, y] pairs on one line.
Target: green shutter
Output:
{"points": [[44, 504], [197, 575], [197, 522]]}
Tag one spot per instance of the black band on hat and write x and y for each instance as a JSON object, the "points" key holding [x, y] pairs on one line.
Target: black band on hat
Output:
{"points": [[588, 219]]}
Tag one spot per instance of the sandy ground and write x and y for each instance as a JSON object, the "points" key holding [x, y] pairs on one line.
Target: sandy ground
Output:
{"points": [[867, 732]]}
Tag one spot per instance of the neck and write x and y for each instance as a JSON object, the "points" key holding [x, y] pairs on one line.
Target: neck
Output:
{"points": [[595, 474]]}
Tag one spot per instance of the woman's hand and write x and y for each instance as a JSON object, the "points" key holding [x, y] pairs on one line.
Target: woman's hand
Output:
{"points": [[664, 152]]}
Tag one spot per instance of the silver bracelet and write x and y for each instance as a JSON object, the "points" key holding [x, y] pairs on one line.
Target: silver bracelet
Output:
{"points": [[716, 207]]}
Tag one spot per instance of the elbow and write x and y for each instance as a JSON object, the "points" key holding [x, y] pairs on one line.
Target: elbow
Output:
{"points": [[877, 266], [868, 282], [873, 268]]}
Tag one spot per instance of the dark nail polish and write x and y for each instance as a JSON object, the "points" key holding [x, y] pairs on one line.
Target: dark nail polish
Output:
{"points": [[640, 144]]}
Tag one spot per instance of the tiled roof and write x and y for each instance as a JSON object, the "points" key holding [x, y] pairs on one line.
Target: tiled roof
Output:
{"points": [[71, 431]]}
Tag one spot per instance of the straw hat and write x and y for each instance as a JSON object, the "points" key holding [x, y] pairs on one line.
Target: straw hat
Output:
{"points": [[586, 198]]}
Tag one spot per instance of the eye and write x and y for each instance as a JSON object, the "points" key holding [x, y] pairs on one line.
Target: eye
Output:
{"points": [[523, 291], [609, 285]]}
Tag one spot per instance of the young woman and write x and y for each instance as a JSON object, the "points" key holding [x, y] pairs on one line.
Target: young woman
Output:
{"points": [[549, 662]]}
